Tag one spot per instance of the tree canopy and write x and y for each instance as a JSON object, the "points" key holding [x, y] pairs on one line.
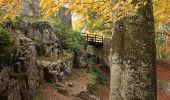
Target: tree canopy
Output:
{"points": [[92, 11]]}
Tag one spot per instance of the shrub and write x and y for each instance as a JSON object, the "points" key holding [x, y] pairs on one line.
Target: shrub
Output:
{"points": [[6, 47], [74, 42], [70, 40], [96, 75], [67, 56], [40, 25]]}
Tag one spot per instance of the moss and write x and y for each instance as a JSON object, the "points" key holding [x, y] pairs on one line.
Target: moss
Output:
{"points": [[20, 75], [29, 18], [50, 58], [39, 46], [40, 25], [7, 47], [133, 42], [66, 56]]}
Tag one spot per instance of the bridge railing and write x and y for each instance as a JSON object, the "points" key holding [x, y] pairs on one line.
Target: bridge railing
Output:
{"points": [[93, 38]]}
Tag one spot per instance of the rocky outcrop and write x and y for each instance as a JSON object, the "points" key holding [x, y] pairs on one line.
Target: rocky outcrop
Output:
{"points": [[28, 55], [13, 86], [55, 71], [51, 43], [21, 81], [46, 41]]}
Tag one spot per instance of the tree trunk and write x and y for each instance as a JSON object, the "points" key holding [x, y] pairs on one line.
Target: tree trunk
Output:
{"points": [[133, 57]]}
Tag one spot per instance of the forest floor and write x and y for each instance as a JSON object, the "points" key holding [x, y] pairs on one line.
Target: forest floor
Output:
{"points": [[163, 73], [80, 79]]}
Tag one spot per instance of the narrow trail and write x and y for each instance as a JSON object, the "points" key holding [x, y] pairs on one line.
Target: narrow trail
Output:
{"points": [[80, 79]]}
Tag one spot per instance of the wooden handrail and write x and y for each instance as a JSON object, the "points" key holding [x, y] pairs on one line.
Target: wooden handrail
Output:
{"points": [[93, 38]]}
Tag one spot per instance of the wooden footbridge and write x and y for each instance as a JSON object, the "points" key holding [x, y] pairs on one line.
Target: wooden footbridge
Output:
{"points": [[92, 39]]}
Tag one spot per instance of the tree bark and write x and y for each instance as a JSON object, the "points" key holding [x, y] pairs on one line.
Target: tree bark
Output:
{"points": [[133, 56]]}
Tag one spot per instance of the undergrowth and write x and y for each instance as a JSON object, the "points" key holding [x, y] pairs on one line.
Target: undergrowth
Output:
{"points": [[6, 47], [96, 75]]}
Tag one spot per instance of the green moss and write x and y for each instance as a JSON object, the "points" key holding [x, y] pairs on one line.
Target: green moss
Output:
{"points": [[6, 47], [29, 18], [50, 58], [20, 75], [66, 56], [39, 46], [40, 25]]}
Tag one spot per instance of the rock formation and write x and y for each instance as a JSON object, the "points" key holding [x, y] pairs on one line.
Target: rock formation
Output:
{"points": [[21, 80]]}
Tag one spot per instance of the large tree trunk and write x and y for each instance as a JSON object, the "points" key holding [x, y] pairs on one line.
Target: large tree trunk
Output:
{"points": [[132, 60]]}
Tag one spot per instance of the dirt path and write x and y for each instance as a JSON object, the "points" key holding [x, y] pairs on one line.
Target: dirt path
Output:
{"points": [[79, 79], [163, 70], [162, 95], [163, 73]]}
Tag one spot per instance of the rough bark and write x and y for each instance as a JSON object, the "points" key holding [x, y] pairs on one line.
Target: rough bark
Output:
{"points": [[132, 60]]}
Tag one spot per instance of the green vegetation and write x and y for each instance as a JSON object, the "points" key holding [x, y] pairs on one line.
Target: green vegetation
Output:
{"points": [[67, 56], [40, 25], [6, 47], [69, 40], [96, 75]]}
